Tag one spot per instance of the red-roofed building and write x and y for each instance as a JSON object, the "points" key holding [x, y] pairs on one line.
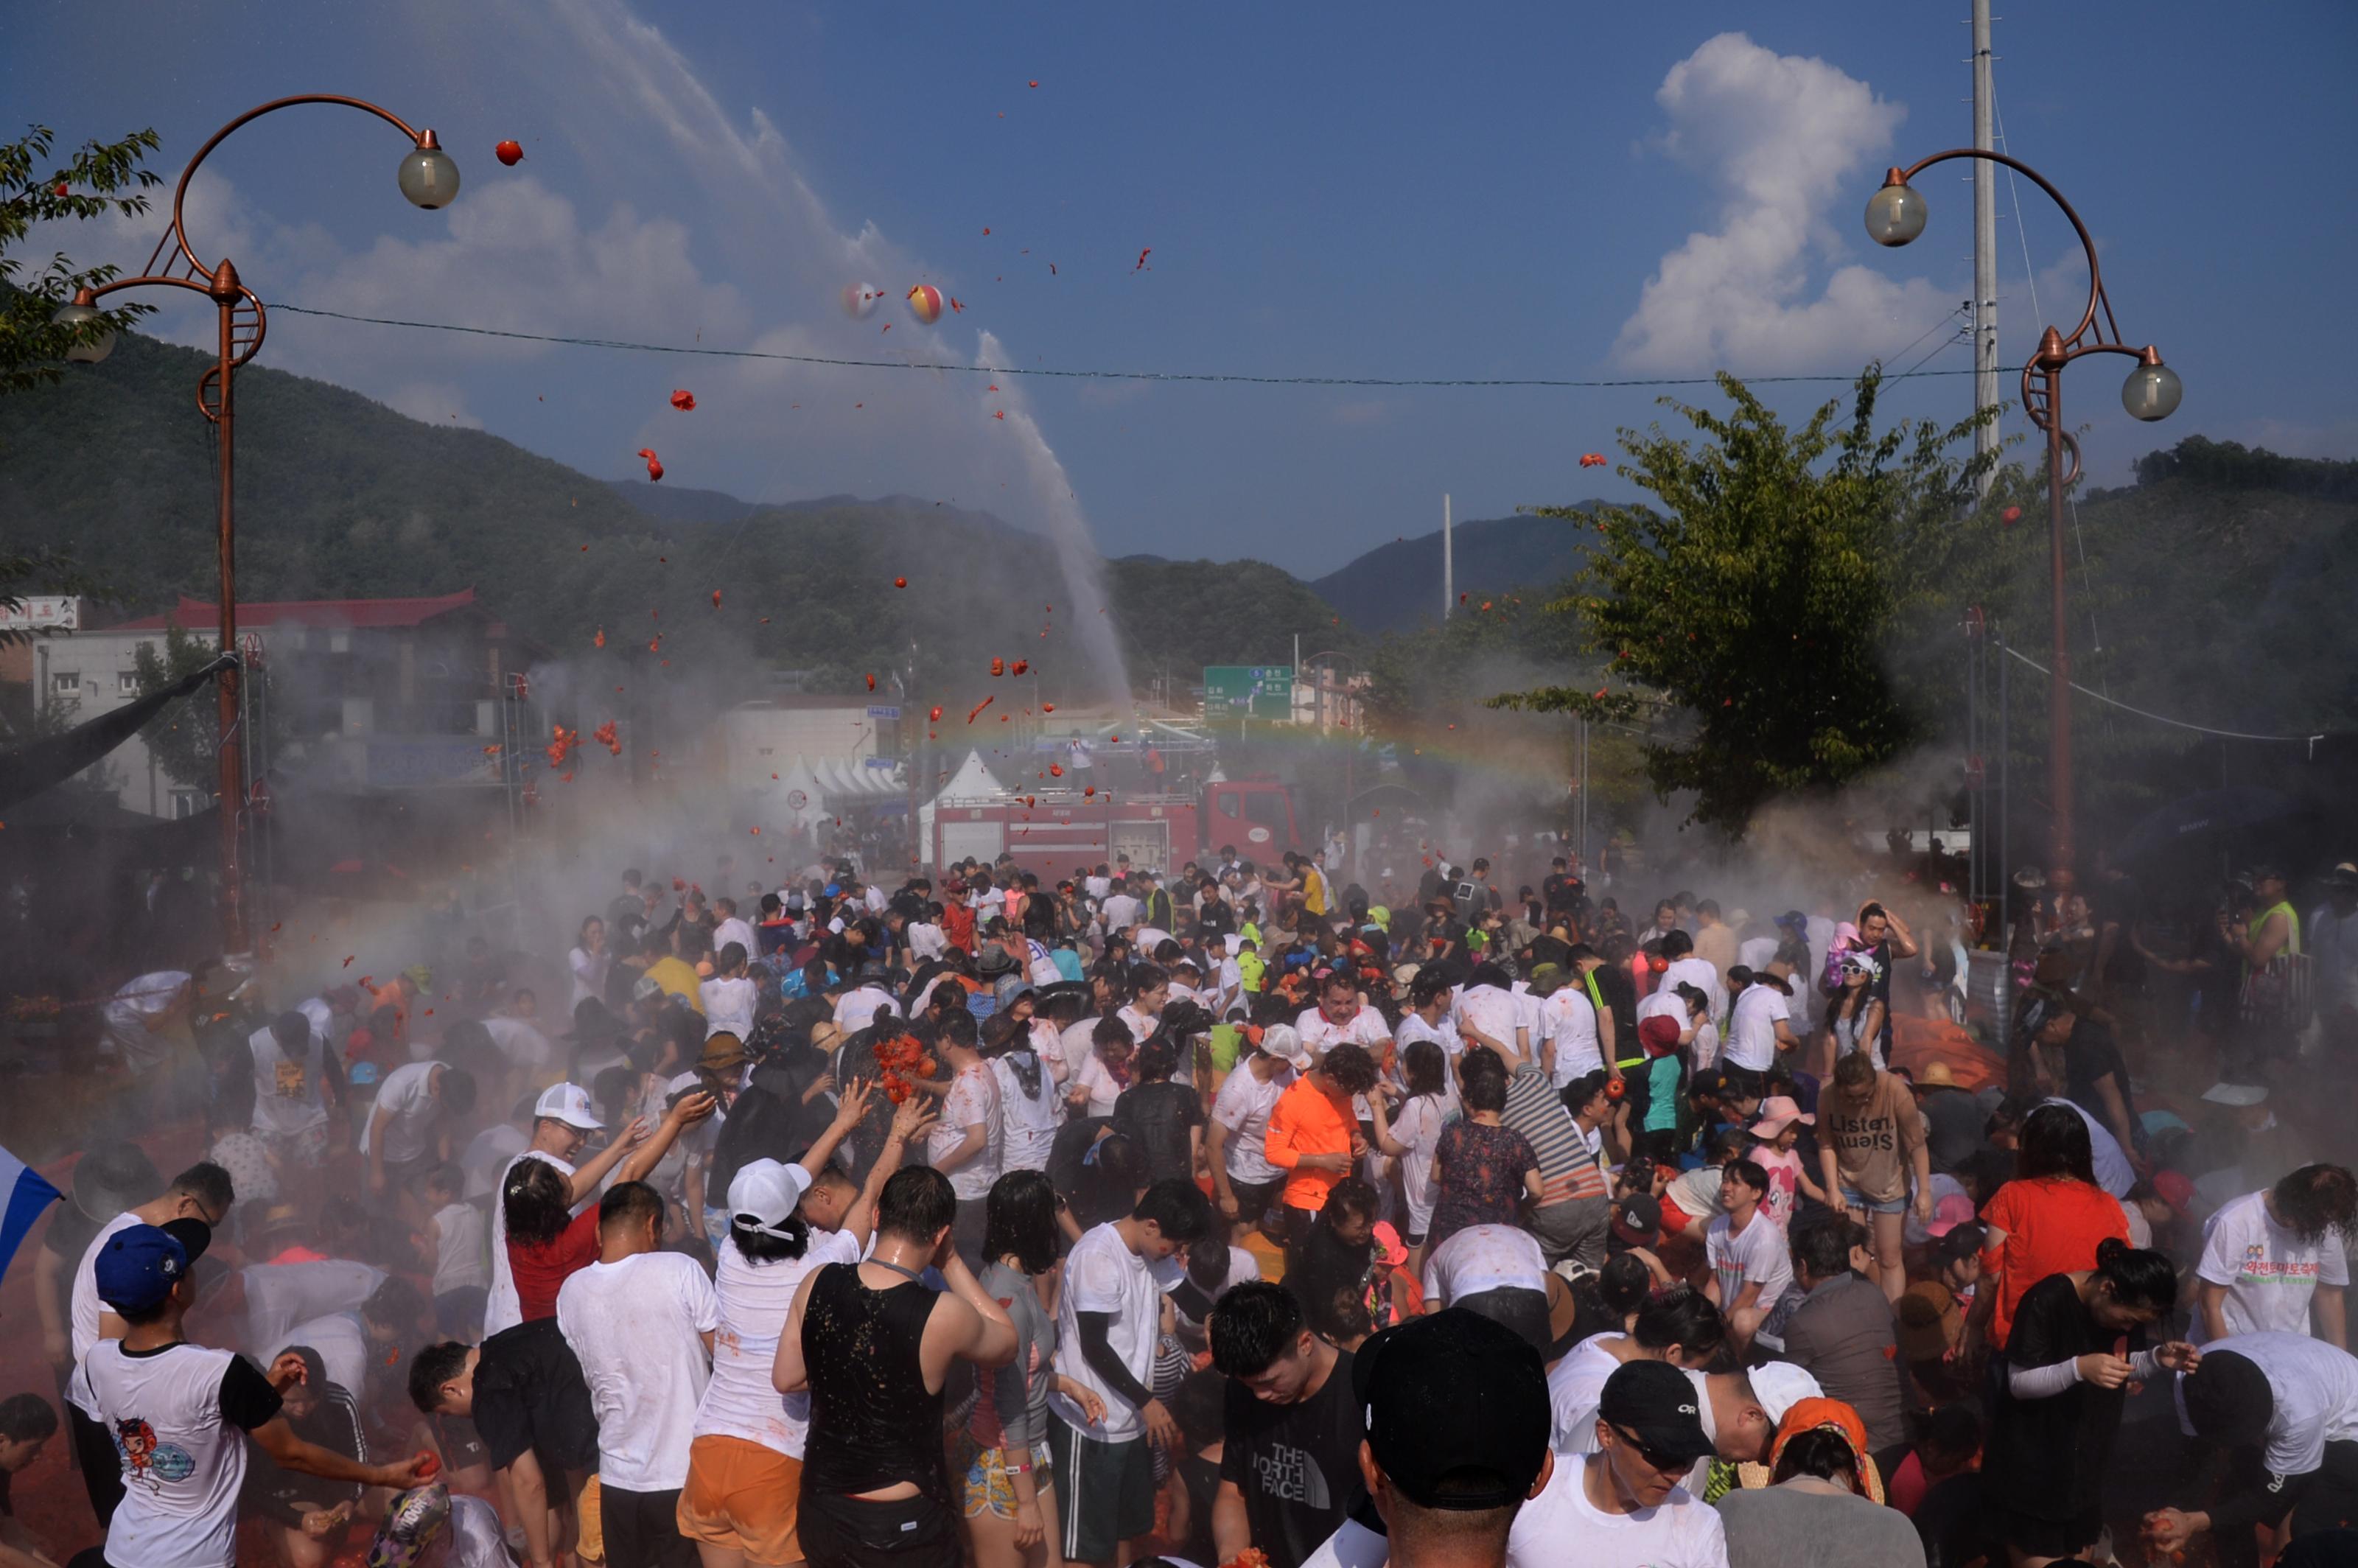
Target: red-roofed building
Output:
{"points": [[366, 694]]}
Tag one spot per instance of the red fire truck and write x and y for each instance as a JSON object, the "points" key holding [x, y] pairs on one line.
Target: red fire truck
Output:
{"points": [[1051, 832]]}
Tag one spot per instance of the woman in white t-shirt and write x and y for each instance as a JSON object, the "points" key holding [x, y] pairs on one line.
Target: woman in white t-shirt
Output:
{"points": [[1411, 1133], [589, 962], [745, 1462], [291, 1114]]}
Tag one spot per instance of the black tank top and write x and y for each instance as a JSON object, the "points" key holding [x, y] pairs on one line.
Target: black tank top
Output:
{"points": [[872, 1423]]}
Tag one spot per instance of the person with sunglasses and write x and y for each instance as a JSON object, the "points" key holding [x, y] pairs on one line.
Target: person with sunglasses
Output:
{"points": [[1622, 1505]]}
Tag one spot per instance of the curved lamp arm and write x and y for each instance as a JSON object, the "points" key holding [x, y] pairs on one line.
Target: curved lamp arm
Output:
{"points": [[2087, 243], [423, 140]]}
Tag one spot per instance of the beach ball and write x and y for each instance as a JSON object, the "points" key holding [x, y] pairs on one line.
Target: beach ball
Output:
{"points": [[925, 303]]}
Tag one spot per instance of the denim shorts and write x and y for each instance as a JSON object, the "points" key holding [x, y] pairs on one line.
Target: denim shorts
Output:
{"points": [[1878, 1205]]}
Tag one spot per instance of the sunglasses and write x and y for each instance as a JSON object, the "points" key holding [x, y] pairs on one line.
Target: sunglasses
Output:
{"points": [[1665, 1464]]}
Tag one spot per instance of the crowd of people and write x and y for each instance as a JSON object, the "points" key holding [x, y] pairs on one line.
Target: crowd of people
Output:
{"points": [[1217, 1215]]}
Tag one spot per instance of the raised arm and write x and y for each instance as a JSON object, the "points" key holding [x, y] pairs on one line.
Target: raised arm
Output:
{"points": [[691, 1110], [910, 1120]]}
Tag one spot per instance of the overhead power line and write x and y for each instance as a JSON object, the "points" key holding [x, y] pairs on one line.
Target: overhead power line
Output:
{"points": [[624, 346]]}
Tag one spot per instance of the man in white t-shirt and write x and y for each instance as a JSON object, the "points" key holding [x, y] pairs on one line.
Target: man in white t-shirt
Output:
{"points": [[965, 1143], [202, 1192], [1568, 1024], [2273, 1260], [1685, 968], [1341, 1017], [290, 1108], [409, 1126], [1108, 1321], [640, 1319], [858, 1008], [1621, 1504], [1485, 1257], [179, 1415], [1750, 1265], [1758, 1025], [1247, 1183]]}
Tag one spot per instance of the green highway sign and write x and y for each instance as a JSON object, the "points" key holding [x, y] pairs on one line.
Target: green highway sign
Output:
{"points": [[1260, 691]]}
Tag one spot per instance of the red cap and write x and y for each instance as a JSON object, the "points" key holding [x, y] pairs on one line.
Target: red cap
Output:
{"points": [[2176, 1190]]}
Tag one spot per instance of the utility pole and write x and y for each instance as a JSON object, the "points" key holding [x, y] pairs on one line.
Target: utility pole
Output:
{"points": [[1448, 565], [1985, 439]]}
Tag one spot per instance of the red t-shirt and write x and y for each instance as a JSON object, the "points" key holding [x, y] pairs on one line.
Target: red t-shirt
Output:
{"points": [[2051, 1225], [541, 1271]]}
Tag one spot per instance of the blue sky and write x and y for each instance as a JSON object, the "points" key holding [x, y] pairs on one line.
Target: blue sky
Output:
{"points": [[1391, 192]]}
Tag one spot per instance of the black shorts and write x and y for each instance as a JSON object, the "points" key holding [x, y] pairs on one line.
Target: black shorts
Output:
{"points": [[1256, 1198], [641, 1530], [850, 1533], [529, 1394]]}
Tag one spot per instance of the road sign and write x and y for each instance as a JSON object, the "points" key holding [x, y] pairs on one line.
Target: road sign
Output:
{"points": [[1262, 691], [883, 713]]}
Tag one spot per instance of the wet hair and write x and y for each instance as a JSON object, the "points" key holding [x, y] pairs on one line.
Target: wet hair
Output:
{"points": [[1681, 1316], [2141, 1279], [1144, 978], [1676, 944], [1253, 1326], [458, 1091], [537, 1203], [630, 1202], [1425, 1067], [1020, 1221], [28, 1418], [433, 1366], [1177, 1209], [1350, 1067], [315, 1370], [1857, 1071], [1199, 1406], [1157, 1059], [396, 1304], [209, 1183], [1821, 1452], [758, 1246], [1351, 1196], [2054, 1144], [1823, 1247], [916, 1205], [445, 1178], [2316, 1199], [1751, 1173], [1952, 1430], [1485, 1091], [1112, 1031], [1582, 1089], [1624, 1283]]}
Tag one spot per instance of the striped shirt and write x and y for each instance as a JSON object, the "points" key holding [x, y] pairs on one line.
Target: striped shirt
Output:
{"points": [[1568, 1168]]}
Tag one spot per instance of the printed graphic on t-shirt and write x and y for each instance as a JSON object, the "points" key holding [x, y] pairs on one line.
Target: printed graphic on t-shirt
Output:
{"points": [[290, 1080], [1291, 1474], [145, 1462]]}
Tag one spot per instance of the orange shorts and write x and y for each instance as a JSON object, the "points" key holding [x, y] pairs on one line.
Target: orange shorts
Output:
{"points": [[742, 1496]]}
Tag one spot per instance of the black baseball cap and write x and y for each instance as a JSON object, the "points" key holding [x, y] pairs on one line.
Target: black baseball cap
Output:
{"points": [[1655, 1404], [1638, 1219], [1456, 1410], [2228, 1399]]}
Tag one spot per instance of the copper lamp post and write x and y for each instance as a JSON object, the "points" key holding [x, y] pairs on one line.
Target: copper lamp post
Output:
{"points": [[429, 179], [1896, 215]]}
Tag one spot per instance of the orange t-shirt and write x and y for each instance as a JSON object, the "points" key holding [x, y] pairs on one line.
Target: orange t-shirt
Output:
{"points": [[1305, 1122], [2052, 1225]]}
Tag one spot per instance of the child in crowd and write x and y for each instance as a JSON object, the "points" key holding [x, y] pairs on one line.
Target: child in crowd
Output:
{"points": [[1778, 1128], [457, 1247]]}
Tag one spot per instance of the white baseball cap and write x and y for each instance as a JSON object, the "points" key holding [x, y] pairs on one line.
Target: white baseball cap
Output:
{"points": [[1779, 1386], [1284, 1043], [568, 1103], [766, 1192]]}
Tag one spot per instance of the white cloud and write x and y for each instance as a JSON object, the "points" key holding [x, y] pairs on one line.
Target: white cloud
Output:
{"points": [[1790, 142]]}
